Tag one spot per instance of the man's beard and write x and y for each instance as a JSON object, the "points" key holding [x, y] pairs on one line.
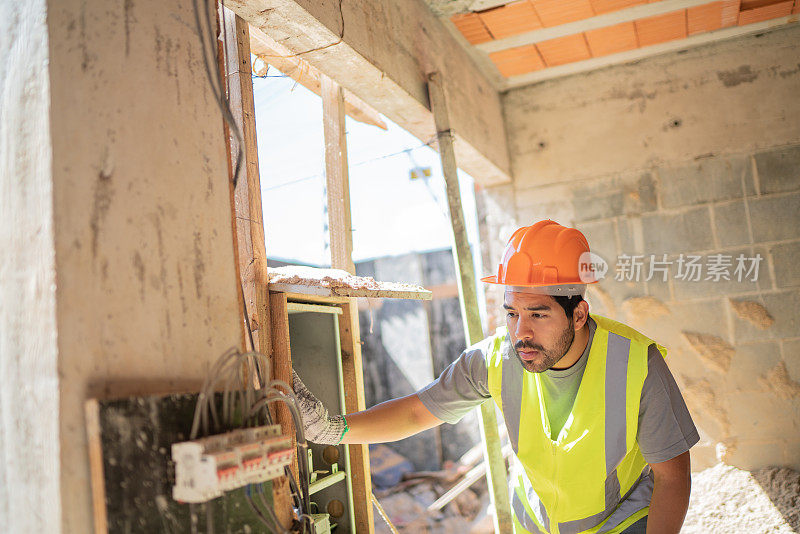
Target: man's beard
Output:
{"points": [[551, 356]]}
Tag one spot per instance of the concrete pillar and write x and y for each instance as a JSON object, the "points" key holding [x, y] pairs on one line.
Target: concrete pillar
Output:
{"points": [[118, 270]]}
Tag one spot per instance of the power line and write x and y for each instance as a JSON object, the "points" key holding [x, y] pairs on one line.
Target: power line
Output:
{"points": [[364, 162]]}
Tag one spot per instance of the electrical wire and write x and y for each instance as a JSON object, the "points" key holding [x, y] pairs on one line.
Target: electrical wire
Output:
{"points": [[214, 81], [252, 404], [356, 164]]}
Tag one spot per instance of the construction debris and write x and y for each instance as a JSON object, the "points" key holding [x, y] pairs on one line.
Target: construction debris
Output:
{"points": [[413, 505], [727, 500], [336, 282]]}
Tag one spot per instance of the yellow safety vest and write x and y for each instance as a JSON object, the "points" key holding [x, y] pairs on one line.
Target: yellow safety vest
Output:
{"points": [[593, 477]]}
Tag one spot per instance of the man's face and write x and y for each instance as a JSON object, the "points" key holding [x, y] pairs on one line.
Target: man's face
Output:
{"points": [[540, 331]]}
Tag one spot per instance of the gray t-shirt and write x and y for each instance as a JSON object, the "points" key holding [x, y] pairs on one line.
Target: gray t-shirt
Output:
{"points": [[665, 426]]}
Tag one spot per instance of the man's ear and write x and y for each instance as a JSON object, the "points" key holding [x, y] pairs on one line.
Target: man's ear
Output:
{"points": [[580, 314]]}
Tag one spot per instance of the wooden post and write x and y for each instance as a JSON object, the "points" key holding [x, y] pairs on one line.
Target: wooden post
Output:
{"points": [[340, 228], [252, 254], [338, 182], [249, 234], [282, 370], [496, 474]]}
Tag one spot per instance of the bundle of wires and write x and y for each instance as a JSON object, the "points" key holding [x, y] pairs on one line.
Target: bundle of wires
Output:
{"points": [[245, 398]]}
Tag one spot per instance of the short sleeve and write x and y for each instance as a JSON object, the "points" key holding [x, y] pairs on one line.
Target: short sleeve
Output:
{"points": [[460, 388], [666, 429]]}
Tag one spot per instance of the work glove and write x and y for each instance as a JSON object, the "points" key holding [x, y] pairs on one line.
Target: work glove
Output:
{"points": [[318, 425]]}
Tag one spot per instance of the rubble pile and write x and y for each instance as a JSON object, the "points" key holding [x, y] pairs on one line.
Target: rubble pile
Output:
{"points": [[408, 501], [730, 500]]}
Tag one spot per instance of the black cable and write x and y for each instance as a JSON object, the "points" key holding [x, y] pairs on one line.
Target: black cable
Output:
{"points": [[215, 82]]}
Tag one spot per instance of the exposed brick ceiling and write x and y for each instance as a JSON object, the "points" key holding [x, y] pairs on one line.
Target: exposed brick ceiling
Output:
{"points": [[525, 41]]}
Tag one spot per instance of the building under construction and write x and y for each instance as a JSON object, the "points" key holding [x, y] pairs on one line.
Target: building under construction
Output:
{"points": [[141, 329]]}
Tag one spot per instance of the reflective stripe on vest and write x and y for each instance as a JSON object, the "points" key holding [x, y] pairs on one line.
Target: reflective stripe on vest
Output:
{"points": [[593, 474]]}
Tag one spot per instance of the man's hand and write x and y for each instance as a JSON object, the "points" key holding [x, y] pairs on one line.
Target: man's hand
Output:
{"points": [[319, 427], [673, 484]]}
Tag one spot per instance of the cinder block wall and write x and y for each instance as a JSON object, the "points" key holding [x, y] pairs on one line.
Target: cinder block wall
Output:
{"points": [[694, 153]]}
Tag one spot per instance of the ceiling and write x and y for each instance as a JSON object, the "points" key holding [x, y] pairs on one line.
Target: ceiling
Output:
{"points": [[526, 41]]}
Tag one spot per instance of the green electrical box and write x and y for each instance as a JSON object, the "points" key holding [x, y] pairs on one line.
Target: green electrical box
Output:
{"points": [[316, 356]]}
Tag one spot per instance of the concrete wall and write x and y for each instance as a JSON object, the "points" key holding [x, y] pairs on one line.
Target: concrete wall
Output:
{"points": [[132, 223], [696, 153], [407, 343]]}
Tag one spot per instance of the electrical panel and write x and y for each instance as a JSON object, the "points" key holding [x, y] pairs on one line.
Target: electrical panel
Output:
{"points": [[206, 468]]}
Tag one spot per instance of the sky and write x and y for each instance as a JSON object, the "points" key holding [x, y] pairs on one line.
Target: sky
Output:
{"points": [[391, 213]]}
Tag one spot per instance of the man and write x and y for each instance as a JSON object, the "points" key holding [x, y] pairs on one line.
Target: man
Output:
{"points": [[600, 432]]}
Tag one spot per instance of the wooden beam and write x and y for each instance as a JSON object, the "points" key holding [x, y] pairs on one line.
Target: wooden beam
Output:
{"points": [[648, 51], [96, 471], [496, 474], [249, 233], [592, 23], [342, 258], [353, 377], [282, 370], [337, 178], [252, 255], [271, 52]]}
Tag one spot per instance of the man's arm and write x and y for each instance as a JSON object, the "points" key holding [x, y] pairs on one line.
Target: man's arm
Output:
{"points": [[673, 484], [390, 421]]}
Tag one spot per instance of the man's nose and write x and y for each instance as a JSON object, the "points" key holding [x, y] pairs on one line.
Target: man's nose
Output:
{"points": [[524, 329]]}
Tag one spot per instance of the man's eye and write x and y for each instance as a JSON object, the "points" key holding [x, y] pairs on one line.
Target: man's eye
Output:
{"points": [[511, 314], [538, 315]]}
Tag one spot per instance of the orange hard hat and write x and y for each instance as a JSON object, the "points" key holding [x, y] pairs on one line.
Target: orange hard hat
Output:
{"points": [[545, 255]]}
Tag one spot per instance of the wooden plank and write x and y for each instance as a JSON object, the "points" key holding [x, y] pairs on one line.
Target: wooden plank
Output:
{"points": [[352, 374], [338, 182], [237, 234], [300, 307], [97, 476], [252, 255], [282, 370], [271, 52], [496, 474], [351, 292], [319, 299], [342, 258]]}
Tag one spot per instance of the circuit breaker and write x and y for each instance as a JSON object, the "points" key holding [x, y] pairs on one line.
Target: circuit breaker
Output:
{"points": [[208, 467]]}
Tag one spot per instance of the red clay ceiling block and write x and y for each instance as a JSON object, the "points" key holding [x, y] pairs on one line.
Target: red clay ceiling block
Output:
{"points": [[661, 28], [612, 39], [510, 19], [555, 12], [471, 27], [758, 11], [515, 61], [796, 8], [564, 50], [713, 16], [607, 6]]}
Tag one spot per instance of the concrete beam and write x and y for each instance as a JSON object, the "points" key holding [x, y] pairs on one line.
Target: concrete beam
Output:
{"points": [[593, 23], [381, 51], [641, 53]]}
